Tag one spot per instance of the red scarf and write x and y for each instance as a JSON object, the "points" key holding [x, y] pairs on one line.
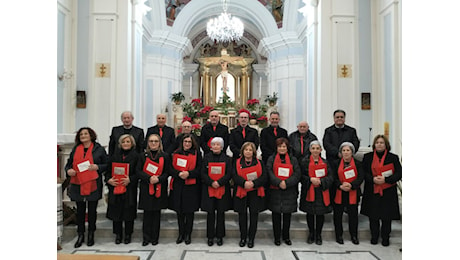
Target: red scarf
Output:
{"points": [[184, 163], [154, 169], [352, 173], [219, 192], [312, 170], [277, 164], [86, 179], [241, 192], [377, 168]]}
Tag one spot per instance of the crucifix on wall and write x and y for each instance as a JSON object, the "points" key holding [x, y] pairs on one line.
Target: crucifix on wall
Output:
{"points": [[344, 70]]}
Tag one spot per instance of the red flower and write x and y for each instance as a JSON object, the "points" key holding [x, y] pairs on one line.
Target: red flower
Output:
{"points": [[262, 118], [196, 126], [252, 102], [186, 118], [196, 102]]}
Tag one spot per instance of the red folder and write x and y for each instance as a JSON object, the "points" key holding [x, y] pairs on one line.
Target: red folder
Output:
{"points": [[120, 171]]}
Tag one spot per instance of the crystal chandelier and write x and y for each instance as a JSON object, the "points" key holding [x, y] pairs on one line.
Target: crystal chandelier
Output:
{"points": [[225, 28]]}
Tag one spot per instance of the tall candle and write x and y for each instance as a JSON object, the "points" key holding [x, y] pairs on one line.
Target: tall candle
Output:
{"points": [[248, 87], [386, 129], [201, 86], [190, 85], [211, 88], [260, 87]]}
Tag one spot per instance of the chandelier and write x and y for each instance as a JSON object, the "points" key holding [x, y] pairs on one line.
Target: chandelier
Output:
{"points": [[225, 28]]}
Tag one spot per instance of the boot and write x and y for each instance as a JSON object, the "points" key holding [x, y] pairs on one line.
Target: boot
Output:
{"points": [[80, 240], [90, 238], [118, 239]]}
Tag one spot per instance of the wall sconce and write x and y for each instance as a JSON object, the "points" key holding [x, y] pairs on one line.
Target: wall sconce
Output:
{"points": [[65, 75]]}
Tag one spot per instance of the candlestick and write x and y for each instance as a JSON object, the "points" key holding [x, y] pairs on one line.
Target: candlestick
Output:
{"points": [[190, 86], [260, 87]]}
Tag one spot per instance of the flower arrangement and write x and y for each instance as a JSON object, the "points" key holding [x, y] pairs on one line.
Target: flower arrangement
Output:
{"points": [[262, 121], [196, 129], [193, 109], [252, 103], [204, 112], [271, 99]]}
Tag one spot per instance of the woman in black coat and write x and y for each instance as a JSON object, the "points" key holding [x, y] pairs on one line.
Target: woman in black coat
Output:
{"points": [[122, 182], [216, 196], [315, 199], [382, 170], [184, 197], [348, 176], [284, 175], [153, 171], [87, 162], [249, 176]]}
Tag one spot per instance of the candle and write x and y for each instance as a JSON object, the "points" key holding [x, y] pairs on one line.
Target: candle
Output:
{"points": [[211, 88], [248, 87], [201, 86], [386, 129], [190, 85], [260, 87]]}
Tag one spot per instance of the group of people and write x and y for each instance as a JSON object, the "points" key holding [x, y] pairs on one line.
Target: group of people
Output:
{"points": [[188, 173]]}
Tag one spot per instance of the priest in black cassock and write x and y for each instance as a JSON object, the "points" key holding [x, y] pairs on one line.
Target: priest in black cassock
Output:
{"points": [[127, 128], [242, 133]]}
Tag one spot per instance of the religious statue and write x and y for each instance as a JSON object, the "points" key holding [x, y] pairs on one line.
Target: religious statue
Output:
{"points": [[224, 74]]}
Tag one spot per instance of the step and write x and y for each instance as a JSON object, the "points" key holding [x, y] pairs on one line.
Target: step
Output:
{"points": [[169, 227]]}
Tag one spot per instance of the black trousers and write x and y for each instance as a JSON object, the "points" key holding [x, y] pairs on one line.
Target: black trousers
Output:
{"points": [[276, 220], [315, 223], [215, 228], [243, 222], [118, 227], [375, 228], [185, 222], [151, 225], [92, 215], [352, 211]]}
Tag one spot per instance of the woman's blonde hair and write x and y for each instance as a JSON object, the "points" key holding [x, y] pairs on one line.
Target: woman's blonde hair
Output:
{"points": [[253, 146], [126, 136]]}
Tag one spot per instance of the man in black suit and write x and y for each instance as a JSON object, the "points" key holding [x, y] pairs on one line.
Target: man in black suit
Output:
{"points": [[168, 137], [127, 128], [300, 140], [242, 133], [212, 129], [269, 135], [338, 133], [186, 129]]}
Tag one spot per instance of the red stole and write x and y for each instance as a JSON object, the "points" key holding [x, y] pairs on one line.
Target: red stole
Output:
{"points": [[378, 168], [347, 175], [216, 170], [184, 163], [154, 169], [85, 178], [317, 171], [120, 171], [281, 170], [249, 173]]}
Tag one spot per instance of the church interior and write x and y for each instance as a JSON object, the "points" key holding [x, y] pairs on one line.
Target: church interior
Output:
{"points": [[313, 56]]}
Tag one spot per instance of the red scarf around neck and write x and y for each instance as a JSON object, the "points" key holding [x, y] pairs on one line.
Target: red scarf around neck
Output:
{"points": [[241, 192], [216, 192], [86, 179], [312, 168], [154, 169], [190, 166], [377, 168], [277, 164], [352, 194]]}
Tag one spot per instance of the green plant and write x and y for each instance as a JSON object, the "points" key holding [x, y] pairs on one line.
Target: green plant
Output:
{"points": [[272, 98], [177, 97]]}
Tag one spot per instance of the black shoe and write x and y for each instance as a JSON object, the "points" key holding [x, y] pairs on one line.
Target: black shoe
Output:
{"points": [[220, 241], [127, 239], [180, 239], [339, 239], [311, 238], [287, 242], [210, 242], [251, 243], [374, 241], [145, 242], [277, 242], [242, 242], [385, 242], [155, 242], [118, 239], [354, 240], [80, 240], [187, 239], [319, 240], [90, 238]]}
